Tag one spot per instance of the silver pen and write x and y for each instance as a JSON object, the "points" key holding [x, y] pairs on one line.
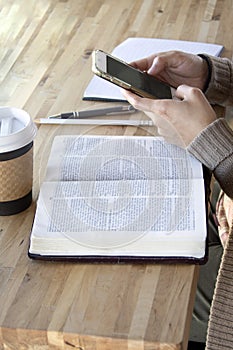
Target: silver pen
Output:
{"points": [[95, 112]]}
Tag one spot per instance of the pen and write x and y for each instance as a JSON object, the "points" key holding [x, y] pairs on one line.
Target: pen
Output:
{"points": [[95, 112], [94, 122]]}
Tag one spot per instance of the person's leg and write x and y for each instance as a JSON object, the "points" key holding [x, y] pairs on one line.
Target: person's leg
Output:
{"points": [[206, 282]]}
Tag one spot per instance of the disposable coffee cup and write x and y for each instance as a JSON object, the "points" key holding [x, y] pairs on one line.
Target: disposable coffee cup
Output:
{"points": [[17, 132]]}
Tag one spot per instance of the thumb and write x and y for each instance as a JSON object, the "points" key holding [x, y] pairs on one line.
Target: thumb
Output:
{"points": [[156, 67], [183, 91]]}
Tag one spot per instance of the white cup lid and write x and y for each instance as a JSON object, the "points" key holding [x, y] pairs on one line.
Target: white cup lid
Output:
{"points": [[16, 129]]}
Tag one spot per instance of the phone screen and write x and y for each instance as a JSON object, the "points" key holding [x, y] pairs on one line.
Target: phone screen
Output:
{"points": [[138, 79]]}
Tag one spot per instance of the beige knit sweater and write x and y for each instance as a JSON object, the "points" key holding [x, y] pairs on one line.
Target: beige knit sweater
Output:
{"points": [[214, 148]]}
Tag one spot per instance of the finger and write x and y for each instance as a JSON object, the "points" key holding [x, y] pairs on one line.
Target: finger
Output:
{"points": [[157, 66], [136, 101], [162, 61], [185, 92], [160, 108], [130, 96], [143, 64]]}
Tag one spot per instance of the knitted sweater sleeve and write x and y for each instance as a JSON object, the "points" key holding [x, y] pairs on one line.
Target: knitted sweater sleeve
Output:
{"points": [[214, 148], [214, 145], [220, 87]]}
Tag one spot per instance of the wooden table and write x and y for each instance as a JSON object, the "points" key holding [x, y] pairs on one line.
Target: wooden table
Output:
{"points": [[45, 67]]}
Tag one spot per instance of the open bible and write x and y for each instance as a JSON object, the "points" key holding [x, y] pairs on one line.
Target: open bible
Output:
{"points": [[119, 199]]}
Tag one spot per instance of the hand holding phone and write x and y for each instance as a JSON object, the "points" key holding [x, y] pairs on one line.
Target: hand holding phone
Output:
{"points": [[122, 74]]}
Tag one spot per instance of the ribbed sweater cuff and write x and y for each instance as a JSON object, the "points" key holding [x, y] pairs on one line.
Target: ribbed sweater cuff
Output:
{"points": [[220, 85], [213, 145]]}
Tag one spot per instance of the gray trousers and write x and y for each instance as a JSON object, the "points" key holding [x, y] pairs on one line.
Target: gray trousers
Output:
{"points": [[207, 278]]}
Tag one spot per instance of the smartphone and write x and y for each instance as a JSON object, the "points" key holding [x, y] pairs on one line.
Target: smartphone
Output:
{"points": [[122, 74]]}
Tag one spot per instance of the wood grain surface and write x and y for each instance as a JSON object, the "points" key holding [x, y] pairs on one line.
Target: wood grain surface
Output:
{"points": [[45, 48]]}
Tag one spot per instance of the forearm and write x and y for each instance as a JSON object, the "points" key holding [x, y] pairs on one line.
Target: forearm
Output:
{"points": [[220, 87], [214, 148]]}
